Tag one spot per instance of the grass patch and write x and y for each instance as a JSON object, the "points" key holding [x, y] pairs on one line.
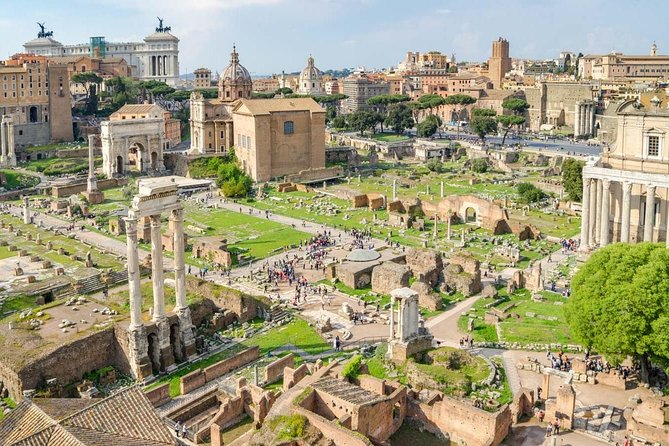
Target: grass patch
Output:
{"points": [[10, 403], [298, 333], [17, 180], [388, 137], [60, 166], [236, 431], [288, 427], [375, 364]]}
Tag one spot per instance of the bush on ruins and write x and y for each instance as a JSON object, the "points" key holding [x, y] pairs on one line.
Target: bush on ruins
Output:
{"points": [[620, 304]]}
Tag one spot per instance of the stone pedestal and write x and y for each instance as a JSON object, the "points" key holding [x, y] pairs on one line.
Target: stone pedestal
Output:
{"points": [[138, 343], [166, 352], [94, 197]]}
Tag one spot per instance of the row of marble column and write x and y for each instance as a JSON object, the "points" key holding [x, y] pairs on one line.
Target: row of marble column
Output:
{"points": [[596, 218], [407, 318], [159, 315], [584, 119], [7, 151]]}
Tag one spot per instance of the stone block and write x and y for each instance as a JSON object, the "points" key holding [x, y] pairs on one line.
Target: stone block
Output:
{"points": [[389, 276]]}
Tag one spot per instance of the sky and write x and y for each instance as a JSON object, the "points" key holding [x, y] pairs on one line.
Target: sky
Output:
{"points": [[276, 35]]}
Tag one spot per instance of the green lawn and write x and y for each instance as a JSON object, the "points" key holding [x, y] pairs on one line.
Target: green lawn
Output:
{"points": [[236, 431], [17, 180], [522, 329], [447, 300], [298, 333], [60, 166], [388, 137], [255, 237]]}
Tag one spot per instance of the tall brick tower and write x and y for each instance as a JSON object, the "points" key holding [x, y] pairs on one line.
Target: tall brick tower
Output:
{"points": [[500, 62]]}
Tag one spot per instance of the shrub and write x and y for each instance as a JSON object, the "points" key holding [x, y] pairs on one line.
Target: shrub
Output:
{"points": [[436, 166], [352, 367], [479, 165], [529, 193]]}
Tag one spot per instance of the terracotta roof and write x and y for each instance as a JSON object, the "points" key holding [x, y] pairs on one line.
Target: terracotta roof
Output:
{"points": [[267, 106], [136, 108], [124, 419]]}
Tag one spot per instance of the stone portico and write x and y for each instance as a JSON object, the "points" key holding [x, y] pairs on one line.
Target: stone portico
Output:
{"points": [[170, 342], [626, 190]]}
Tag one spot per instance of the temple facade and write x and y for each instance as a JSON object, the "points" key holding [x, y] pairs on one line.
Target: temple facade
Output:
{"points": [[626, 189]]}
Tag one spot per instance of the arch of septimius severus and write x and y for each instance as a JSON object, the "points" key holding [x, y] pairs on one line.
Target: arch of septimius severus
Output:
{"points": [[626, 189], [154, 347]]}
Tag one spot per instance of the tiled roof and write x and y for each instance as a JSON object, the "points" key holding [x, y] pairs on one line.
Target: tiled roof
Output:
{"points": [[124, 419], [136, 108], [267, 106]]}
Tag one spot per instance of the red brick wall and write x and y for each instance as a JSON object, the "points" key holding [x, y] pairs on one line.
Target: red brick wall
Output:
{"points": [[227, 365], [274, 370], [160, 395], [192, 381]]}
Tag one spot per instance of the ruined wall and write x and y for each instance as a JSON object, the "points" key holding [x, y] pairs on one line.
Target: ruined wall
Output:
{"points": [[200, 377], [159, 396], [457, 418], [311, 175], [293, 376], [487, 213], [69, 362], [338, 434], [389, 276], [274, 370], [71, 189], [244, 306]]}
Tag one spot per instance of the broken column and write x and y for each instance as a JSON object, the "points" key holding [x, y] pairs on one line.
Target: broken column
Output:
{"points": [[26, 210], [394, 189], [566, 402], [7, 153], [410, 338], [442, 190], [448, 230], [181, 307], [137, 339], [93, 194]]}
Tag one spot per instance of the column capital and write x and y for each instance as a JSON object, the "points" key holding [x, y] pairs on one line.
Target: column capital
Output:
{"points": [[91, 139], [627, 186], [155, 220], [650, 189], [606, 183], [177, 214]]}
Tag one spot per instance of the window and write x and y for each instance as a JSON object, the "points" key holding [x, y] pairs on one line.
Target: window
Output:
{"points": [[222, 134], [653, 145], [288, 128]]}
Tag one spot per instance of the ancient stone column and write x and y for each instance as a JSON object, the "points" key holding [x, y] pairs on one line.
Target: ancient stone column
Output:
{"points": [[92, 182], [394, 189], [392, 318], [577, 120], [606, 194], [585, 215], [133, 273], [448, 222], [442, 190], [157, 269], [625, 218], [186, 347], [598, 225], [650, 213], [593, 211], [26, 210], [435, 225], [3, 141]]}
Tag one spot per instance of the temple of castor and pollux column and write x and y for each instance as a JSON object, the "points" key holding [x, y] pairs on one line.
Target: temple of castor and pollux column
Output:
{"points": [[626, 189], [171, 340]]}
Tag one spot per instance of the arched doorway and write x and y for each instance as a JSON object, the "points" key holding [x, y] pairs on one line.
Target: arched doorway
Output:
{"points": [[154, 160], [135, 155], [33, 114], [119, 165], [154, 353], [470, 215]]}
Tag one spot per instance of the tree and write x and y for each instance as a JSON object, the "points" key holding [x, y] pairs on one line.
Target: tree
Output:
{"points": [[479, 165], [339, 122], [434, 165], [362, 120], [87, 80], [459, 100], [572, 178], [284, 91], [529, 193], [453, 69], [620, 303], [256, 95], [429, 126], [381, 102], [399, 118], [517, 107], [483, 122], [431, 101]]}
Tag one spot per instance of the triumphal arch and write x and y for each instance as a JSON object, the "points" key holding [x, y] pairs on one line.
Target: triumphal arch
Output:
{"points": [[132, 145]]}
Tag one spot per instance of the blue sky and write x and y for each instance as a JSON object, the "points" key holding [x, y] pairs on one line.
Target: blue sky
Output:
{"points": [[272, 35]]}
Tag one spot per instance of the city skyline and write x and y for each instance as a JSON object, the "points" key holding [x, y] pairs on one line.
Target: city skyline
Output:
{"points": [[343, 33]]}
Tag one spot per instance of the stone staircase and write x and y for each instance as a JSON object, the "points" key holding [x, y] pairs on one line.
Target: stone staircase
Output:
{"points": [[279, 314], [94, 283]]}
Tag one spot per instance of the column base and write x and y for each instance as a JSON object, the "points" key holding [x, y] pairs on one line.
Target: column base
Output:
{"points": [[138, 344], [94, 197], [186, 332], [166, 358], [164, 341]]}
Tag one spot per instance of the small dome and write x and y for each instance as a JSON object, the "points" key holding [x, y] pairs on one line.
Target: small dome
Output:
{"points": [[363, 255], [235, 72], [310, 72]]}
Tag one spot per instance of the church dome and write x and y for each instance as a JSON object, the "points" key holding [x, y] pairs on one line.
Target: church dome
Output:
{"points": [[235, 72], [310, 72]]}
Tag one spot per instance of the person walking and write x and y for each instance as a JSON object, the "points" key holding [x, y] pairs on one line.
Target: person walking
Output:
{"points": [[177, 429]]}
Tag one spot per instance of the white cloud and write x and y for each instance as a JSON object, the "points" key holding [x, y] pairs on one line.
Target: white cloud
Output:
{"points": [[443, 11]]}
